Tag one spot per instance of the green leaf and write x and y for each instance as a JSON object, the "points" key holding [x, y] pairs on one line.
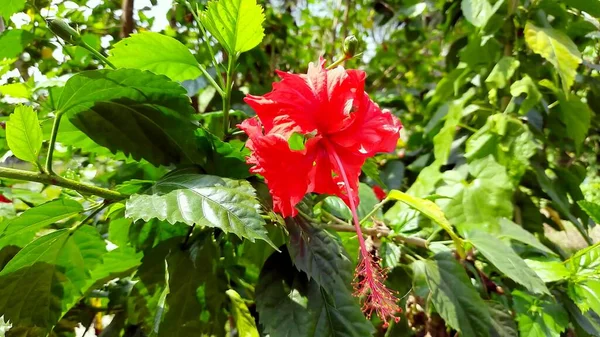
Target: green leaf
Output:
{"points": [[236, 24], [21, 230], [137, 112], [189, 271], [539, 317], [453, 296], [511, 230], [508, 140], [588, 322], [47, 277], [244, 322], [70, 135], [592, 209], [503, 324], [119, 262], [585, 294], [157, 53], [502, 72], [426, 207], [291, 305], [371, 170], [24, 134], [296, 141], [368, 200], [9, 7], [481, 201], [507, 261], [315, 252], [592, 7], [576, 116], [13, 42], [586, 262], [477, 12], [556, 47], [549, 270], [204, 200], [528, 87], [16, 90]]}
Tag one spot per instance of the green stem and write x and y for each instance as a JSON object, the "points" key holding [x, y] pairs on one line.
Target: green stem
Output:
{"points": [[373, 211], [338, 62], [52, 179], [89, 217], [211, 80], [53, 135], [227, 96], [96, 53], [206, 41]]}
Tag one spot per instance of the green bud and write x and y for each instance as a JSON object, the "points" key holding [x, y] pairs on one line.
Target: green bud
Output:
{"points": [[64, 31], [350, 46]]}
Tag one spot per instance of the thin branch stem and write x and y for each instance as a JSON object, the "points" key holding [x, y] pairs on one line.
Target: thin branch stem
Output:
{"points": [[211, 80], [381, 232], [227, 97], [339, 61], [52, 179], [52, 142], [373, 211], [96, 53], [89, 217]]}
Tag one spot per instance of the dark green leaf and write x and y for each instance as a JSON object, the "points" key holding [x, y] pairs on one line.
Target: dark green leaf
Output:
{"points": [[204, 200], [507, 261], [51, 274], [315, 252], [137, 112], [511, 230], [576, 116], [453, 296], [503, 324], [291, 305]]}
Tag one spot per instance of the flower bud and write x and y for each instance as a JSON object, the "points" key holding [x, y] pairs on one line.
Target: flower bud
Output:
{"points": [[350, 46], [64, 31]]}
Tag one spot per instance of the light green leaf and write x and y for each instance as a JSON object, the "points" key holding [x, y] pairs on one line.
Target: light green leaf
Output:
{"points": [[9, 7], [157, 53], [586, 294], [549, 270], [539, 317], [119, 262], [16, 90], [315, 252], [204, 200], [586, 262], [137, 112], [502, 72], [371, 170], [592, 209], [13, 42], [368, 200], [244, 322], [479, 202], [478, 12], [511, 230], [51, 274], [507, 261], [528, 87], [576, 116], [24, 134], [291, 305], [21, 230], [236, 24], [556, 47], [508, 140], [453, 296], [426, 207]]}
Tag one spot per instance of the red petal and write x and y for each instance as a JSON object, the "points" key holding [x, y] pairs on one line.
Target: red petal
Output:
{"points": [[286, 172]]}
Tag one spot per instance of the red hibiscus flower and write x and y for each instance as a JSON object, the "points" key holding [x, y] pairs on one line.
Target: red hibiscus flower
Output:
{"points": [[341, 127]]}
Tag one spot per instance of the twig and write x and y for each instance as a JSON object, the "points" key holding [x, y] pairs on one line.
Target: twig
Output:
{"points": [[381, 232]]}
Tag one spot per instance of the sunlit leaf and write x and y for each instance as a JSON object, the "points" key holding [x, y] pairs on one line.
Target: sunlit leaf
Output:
{"points": [[236, 24], [24, 134], [539, 317], [244, 322], [157, 53]]}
